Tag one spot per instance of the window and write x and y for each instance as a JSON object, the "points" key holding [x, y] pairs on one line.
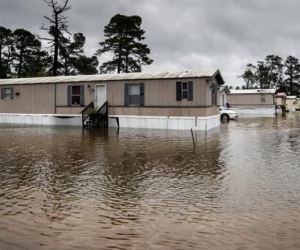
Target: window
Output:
{"points": [[262, 98], [134, 94], [214, 94], [223, 100], [76, 95], [7, 93], [184, 90]]}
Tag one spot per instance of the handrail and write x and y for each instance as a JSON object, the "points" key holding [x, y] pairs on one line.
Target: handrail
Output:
{"points": [[85, 113], [96, 118], [102, 107], [91, 104]]}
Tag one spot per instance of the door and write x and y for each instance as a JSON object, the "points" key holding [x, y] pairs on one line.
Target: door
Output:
{"points": [[100, 95]]}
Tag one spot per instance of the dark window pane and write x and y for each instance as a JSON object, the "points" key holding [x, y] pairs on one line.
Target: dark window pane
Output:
{"points": [[76, 90], [134, 100], [184, 94], [75, 100], [184, 86]]}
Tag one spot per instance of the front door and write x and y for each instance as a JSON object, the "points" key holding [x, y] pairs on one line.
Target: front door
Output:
{"points": [[100, 95]]}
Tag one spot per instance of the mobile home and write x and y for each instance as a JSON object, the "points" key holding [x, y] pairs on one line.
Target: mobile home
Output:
{"points": [[167, 100], [252, 101]]}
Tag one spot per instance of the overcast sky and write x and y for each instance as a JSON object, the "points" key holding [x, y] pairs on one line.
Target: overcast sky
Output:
{"points": [[182, 35]]}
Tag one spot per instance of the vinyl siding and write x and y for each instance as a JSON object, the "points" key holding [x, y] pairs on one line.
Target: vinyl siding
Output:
{"points": [[33, 99]]}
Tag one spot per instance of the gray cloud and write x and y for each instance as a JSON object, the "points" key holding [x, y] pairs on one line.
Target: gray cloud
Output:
{"points": [[182, 35]]}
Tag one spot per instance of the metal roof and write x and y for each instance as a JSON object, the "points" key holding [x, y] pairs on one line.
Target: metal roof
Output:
{"points": [[115, 77], [252, 91]]}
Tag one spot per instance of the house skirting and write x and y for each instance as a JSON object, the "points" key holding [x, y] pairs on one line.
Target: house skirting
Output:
{"points": [[41, 119], [256, 111], [151, 122], [291, 109], [165, 122]]}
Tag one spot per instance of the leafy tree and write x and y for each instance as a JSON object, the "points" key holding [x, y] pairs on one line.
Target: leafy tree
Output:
{"points": [[6, 49], [58, 26], [69, 51], [123, 38], [38, 66], [292, 73], [28, 55], [261, 74], [86, 65], [266, 74], [72, 61], [248, 76], [275, 71]]}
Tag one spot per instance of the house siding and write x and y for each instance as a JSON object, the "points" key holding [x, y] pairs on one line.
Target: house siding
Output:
{"points": [[250, 100], [32, 99], [160, 98]]}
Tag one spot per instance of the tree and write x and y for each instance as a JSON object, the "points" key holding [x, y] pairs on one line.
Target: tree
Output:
{"points": [[292, 73], [28, 55], [86, 65], [275, 71], [58, 26], [248, 76], [38, 65], [123, 38], [266, 74], [72, 61], [6, 49], [69, 50]]}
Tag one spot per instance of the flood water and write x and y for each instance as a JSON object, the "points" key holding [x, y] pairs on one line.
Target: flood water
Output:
{"points": [[239, 188]]}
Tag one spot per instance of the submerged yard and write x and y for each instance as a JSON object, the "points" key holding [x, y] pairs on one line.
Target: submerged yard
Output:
{"points": [[64, 188]]}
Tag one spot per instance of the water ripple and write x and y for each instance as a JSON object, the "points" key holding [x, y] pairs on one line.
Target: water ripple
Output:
{"points": [[61, 188]]}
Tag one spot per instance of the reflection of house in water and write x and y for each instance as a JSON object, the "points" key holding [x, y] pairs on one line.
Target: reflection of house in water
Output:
{"points": [[52, 164], [148, 164]]}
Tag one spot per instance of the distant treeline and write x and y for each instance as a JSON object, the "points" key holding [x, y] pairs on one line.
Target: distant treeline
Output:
{"points": [[22, 53], [273, 73]]}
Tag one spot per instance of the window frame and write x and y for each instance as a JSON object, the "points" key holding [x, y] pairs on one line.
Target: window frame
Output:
{"points": [[182, 93], [132, 96], [128, 96], [6, 96], [262, 98], [214, 94], [71, 95]]}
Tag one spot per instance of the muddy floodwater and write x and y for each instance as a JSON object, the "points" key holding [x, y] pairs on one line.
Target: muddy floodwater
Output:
{"points": [[239, 188]]}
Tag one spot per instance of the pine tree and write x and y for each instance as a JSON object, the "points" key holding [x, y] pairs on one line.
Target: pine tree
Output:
{"points": [[292, 73], [123, 38]]}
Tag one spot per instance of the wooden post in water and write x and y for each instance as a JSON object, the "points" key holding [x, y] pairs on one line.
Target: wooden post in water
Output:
{"points": [[193, 137]]}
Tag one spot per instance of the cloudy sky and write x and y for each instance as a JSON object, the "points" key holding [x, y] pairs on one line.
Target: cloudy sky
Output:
{"points": [[182, 35]]}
